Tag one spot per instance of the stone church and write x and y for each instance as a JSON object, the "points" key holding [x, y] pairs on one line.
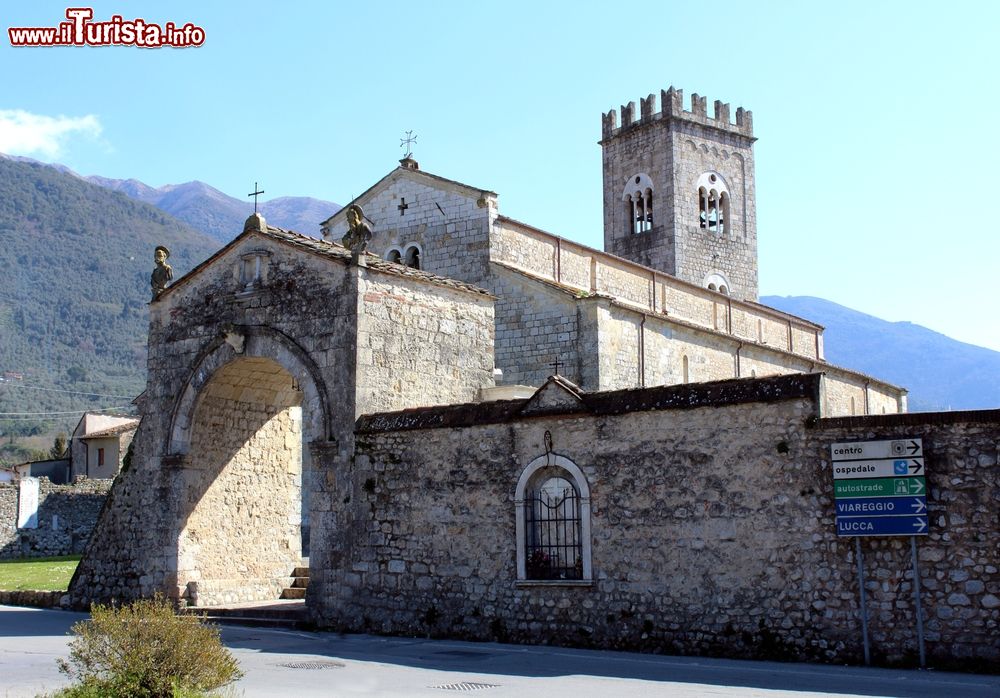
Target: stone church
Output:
{"points": [[480, 429]]}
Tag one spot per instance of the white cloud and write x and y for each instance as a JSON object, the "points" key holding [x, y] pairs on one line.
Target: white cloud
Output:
{"points": [[24, 133]]}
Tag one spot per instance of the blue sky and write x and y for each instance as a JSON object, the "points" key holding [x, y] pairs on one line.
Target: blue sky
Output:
{"points": [[876, 162]]}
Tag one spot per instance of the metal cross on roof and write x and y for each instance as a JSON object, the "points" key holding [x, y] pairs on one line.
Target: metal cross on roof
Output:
{"points": [[555, 365], [405, 143], [257, 190]]}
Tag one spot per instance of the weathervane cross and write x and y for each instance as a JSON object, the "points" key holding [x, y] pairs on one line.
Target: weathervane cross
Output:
{"points": [[257, 190], [405, 143]]}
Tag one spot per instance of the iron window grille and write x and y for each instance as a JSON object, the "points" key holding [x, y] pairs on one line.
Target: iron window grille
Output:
{"points": [[553, 544]]}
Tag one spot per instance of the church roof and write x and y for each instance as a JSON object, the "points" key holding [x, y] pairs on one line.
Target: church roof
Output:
{"points": [[330, 250], [418, 175], [732, 391]]}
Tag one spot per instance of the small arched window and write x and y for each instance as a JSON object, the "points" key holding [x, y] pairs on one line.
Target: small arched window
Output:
{"points": [[685, 369], [716, 281], [394, 256], [713, 203], [412, 258], [638, 202], [552, 503]]}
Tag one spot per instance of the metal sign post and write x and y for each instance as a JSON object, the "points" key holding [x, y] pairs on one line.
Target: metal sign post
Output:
{"points": [[864, 606], [916, 596]]}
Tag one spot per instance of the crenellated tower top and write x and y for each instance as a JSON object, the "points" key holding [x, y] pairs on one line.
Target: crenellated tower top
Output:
{"points": [[672, 107], [679, 190]]}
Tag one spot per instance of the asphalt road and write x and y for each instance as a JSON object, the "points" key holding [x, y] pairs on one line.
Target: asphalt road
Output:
{"points": [[301, 664]]}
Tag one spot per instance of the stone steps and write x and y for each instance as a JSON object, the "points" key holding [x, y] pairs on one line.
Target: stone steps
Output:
{"points": [[300, 581], [266, 614]]}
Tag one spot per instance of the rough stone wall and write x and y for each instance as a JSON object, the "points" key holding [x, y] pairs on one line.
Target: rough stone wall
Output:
{"points": [[712, 533], [66, 517]]}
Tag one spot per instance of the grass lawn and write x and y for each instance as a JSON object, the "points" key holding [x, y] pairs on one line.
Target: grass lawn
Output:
{"points": [[40, 574]]}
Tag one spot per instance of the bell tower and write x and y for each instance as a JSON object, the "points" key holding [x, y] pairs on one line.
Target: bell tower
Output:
{"points": [[679, 191]]}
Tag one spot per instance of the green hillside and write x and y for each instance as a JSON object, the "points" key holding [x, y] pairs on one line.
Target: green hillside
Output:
{"points": [[75, 261]]}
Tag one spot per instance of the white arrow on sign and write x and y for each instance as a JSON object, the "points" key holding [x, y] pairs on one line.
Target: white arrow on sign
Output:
{"points": [[920, 524], [918, 485], [919, 504]]}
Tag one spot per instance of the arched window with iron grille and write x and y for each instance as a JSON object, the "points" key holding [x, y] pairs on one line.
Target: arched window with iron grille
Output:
{"points": [[553, 521]]}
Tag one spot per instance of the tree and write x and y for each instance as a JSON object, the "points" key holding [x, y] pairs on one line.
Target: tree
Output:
{"points": [[58, 447]]}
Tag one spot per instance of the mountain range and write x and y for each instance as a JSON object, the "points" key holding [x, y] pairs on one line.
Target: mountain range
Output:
{"points": [[219, 215], [205, 208]]}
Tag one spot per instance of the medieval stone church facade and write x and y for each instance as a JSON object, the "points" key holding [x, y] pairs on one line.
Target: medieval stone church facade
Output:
{"points": [[671, 300], [668, 489]]}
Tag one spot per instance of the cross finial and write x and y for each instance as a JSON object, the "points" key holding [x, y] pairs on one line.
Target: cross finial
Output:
{"points": [[406, 142], [256, 190], [555, 366]]}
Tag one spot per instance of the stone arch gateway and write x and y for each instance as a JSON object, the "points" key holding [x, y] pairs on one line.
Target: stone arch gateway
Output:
{"points": [[252, 387]]}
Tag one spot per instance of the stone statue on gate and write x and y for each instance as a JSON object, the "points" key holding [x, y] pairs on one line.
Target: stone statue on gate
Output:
{"points": [[359, 233], [163, 273]]}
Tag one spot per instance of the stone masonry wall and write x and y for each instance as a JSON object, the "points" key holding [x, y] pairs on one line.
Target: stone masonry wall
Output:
{"points": [[712, 534], [585, 270], [448, 223], [417, 349], [66, 517], [535, 326]]}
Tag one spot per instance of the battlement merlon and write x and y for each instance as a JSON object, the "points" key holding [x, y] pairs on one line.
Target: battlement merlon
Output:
{"points": [[672, 107]]}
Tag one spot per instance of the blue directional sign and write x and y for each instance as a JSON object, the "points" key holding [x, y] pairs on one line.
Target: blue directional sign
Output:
{"points": [[879, 488], [881, 525], [881, 506]]}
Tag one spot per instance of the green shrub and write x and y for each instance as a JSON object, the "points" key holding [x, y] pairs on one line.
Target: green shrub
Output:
{"points": [[145, 650]]}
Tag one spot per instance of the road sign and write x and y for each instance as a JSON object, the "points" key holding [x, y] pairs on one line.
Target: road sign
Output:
{"points": [[879, 488], [894, 467], [869, 450], [882, 526], [881, 506]]}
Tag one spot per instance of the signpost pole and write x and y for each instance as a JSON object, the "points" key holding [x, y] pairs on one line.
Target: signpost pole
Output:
{"points": [[864, 605], [916, 596]]}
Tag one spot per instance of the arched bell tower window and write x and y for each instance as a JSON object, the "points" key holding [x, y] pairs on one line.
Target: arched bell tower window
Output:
{"points": [[637, 200], [713, 203], [394, 256]]}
